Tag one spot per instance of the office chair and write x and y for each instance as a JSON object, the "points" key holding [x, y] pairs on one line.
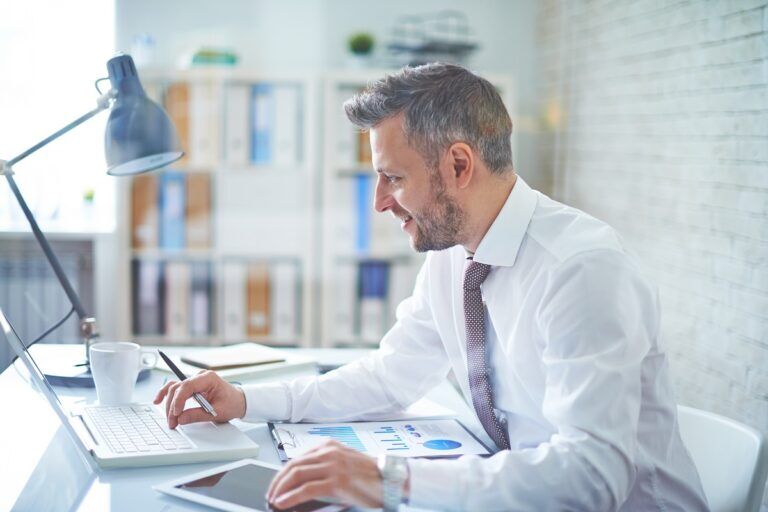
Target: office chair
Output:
{"points": [[732, 459]]}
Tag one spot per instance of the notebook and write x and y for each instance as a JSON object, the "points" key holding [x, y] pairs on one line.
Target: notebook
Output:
{"points": [[288, 363], [233, 356]]}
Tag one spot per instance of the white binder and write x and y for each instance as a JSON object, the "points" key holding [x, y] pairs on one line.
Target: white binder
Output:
{"points": [[234, 309], [177, 280], [285, 308], [237, 137]]}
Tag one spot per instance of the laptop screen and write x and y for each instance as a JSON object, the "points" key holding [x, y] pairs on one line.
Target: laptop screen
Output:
{"points": [[19, 348]]}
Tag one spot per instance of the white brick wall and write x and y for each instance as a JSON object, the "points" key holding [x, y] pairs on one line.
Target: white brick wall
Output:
{"points": [[663, 133]]}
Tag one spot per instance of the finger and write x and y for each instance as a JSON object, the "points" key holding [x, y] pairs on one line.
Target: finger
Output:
{"points": [[163, 391], [280, 475], [305, 492], [193, 415], [169, 398], [299, 475], [197, 384], [170, 416], [318, 455], [307, 459]]}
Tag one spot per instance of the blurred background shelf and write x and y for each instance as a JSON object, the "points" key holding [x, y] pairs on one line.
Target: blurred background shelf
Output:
{"points": [[219, 248]]}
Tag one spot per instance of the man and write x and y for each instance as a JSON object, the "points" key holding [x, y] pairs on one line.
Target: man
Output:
{"points": [[548, 324]]}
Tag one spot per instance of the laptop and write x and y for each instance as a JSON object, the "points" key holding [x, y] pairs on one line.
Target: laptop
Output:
{"points": [[135, 435]]}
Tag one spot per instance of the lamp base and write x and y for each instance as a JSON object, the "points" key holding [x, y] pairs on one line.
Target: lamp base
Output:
{"points": [[72, 376]]}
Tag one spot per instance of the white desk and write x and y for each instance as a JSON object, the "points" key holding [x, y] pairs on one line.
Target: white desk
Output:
{"points": [[42, 469]]}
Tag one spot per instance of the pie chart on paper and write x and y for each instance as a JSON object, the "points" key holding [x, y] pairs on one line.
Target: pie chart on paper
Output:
{"points": [[442, 444]]}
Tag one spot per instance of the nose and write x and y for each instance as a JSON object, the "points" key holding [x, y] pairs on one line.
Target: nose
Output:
{"points": [[382, 199]]}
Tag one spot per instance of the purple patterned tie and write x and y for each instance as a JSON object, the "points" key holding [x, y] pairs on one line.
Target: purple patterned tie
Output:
{"points": [[479, 382]]}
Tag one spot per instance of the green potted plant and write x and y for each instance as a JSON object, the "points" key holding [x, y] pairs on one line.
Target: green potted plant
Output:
{"points": [[360, 46]]}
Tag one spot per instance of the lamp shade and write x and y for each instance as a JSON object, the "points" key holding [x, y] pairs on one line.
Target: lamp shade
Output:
{"points": [[139, 136]]}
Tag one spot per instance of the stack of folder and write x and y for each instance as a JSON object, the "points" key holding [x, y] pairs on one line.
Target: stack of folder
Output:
{"points": [[242, 360]]}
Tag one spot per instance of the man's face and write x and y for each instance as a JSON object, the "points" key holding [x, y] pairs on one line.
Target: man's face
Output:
{"points": [[413, 192]]}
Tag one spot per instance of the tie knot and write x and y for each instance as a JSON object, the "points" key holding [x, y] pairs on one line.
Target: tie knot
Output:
{"points": [[475, 274]]}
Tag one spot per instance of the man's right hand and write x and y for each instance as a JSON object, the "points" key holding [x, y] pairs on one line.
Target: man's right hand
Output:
{"points": [[226, 399]]}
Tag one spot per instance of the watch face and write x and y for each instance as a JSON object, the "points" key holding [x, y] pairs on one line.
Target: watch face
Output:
{"points": [[394, 473], [395, 468], [381, 463]]}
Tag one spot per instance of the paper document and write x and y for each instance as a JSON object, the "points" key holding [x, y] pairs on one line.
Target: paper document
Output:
{"points": [[233, 356], [410, 438], [423, 409], [292, 366]]}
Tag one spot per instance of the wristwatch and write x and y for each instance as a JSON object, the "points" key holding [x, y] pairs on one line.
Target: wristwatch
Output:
{"points": [[394, 474]]}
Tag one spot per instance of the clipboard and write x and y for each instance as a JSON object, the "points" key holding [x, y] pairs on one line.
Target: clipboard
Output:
{"points": [[284, 439], [278, 442]]}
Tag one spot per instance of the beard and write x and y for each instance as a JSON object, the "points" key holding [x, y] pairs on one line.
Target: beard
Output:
{"points": [[439, 225]]}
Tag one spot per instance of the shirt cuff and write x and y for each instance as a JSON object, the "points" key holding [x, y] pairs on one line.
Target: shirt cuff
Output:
{"points": [[267, 402], [435, 484]]}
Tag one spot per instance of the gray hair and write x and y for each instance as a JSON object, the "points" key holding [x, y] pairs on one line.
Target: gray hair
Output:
{"points": [[443, 104]]}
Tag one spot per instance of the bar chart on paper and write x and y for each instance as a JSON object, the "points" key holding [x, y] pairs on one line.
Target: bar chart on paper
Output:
{"points": [[346, 435], [389, 439], [423, 438]]}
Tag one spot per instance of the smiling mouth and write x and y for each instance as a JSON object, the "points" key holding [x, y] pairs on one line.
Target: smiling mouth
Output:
{"points": [[405, 220]]}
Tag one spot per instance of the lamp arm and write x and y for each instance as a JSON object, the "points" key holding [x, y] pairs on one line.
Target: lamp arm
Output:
{"points": [[103, 103], [88, 327], [46, 247]]}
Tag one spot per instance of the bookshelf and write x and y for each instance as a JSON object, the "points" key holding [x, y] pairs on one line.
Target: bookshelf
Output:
{"points": [[218, 247], [255, 236], [368, 266]]}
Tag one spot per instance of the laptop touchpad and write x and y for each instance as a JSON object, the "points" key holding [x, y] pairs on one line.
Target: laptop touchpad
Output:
{"points": [[206, 431]]}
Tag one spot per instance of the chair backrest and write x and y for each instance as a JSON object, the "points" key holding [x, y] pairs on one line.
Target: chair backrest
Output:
{"points": [[732, 459]]}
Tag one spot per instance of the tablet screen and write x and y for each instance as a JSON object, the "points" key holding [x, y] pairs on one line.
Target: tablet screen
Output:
{"points": [[246, 486]]}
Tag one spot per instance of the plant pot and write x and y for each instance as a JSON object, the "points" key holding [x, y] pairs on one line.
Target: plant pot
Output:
{"points": [[359, 60]]}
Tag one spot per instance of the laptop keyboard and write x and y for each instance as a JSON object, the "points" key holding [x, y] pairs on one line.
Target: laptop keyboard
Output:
{"points": [[136, 429]]}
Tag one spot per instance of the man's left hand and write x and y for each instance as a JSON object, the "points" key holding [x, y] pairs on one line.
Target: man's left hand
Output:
{"points": [[330, 470]]}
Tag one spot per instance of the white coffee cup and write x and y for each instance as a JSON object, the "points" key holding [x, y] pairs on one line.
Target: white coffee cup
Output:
{"points": [[115, 366]]}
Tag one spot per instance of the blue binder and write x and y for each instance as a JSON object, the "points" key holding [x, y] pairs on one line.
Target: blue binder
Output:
{"points": [[363, 208], [172, 210], [262, 123]]}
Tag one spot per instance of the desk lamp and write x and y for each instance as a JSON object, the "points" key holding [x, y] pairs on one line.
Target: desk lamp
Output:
{"points": [[139, 137]]}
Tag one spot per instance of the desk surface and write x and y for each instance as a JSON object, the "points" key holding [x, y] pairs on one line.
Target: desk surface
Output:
{"points": [[43, 469]]}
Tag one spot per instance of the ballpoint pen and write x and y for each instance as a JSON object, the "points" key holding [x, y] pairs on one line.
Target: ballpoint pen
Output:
{"points": [[197, 396]]}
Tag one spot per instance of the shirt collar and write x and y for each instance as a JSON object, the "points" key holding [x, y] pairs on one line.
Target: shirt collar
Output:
{"points": [[500, 245]]}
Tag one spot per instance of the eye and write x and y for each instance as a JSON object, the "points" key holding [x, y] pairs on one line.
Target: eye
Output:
{"points": [[391, 179]]}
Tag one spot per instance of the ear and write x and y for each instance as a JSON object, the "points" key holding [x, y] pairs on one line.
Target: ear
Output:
{"points": [[461, 161]]}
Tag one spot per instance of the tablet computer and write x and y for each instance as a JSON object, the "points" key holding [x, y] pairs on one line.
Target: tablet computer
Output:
{"points": [[237, 487]]}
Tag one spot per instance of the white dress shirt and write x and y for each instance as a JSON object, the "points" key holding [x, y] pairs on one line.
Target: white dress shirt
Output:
{"points": [[577, 372]]}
